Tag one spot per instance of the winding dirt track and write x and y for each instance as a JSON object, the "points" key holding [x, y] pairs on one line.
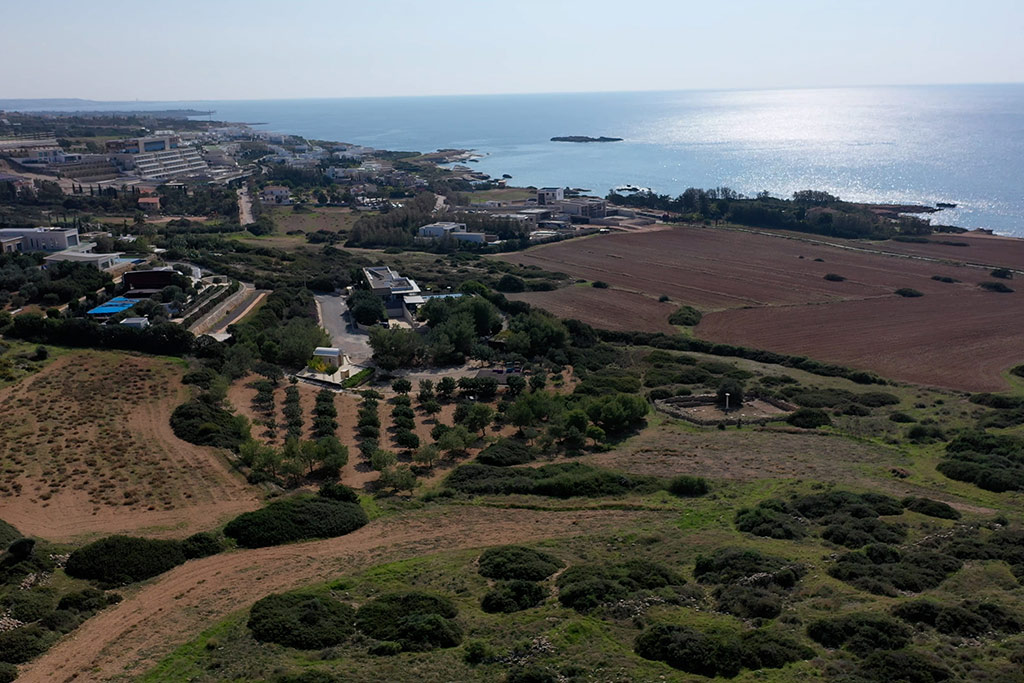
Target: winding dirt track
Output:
{"points": [[129, 638]]}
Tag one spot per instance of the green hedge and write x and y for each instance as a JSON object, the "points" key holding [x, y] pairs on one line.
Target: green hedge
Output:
{"points": [[295, 519], [586, 587], [513, 596], [718, 654], [119, 560], [563, 480]]}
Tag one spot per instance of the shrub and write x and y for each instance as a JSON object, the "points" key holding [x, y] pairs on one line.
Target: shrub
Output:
{"points": [[518, 562], [585, 587], [903, 665], [513, 596], [754, 585], [8, 672], [877, 399], [478, 652], [30, 605], [766, 649], [599, 284], [301, 620], [87, 600], [119, 560], [833, 277], [885, 570], [908, 293], [968, 619], [820, 505], [295, 519], [944, 278], [21, 644], [859, 633], [685, 315], [687, 486], [809, 418], [932, 508], [506, 452], [856, 532], [690, 650], [1002, 273], [770, 518], [203, 422], [531, 674], [417, 621], [335, 491], [995, 287], [902, 418], [202, 544], [994, 462]]}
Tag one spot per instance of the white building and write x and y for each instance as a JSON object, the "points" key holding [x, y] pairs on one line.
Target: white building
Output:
{"points": [[136, 323], [41, 239], [276, 194], [99, 261], [549, 195], [439, 230]]}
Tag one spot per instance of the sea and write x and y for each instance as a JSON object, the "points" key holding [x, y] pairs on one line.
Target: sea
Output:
{"points": [[960, 144]]}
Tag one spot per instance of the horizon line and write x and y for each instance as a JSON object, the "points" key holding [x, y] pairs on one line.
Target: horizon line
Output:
{"points": [[512, 94]]}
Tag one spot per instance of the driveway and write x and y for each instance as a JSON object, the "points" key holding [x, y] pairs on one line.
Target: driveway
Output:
{"points": [[334, 319]]}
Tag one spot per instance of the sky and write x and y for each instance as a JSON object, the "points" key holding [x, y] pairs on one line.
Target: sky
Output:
{"points": [[262, 49]]}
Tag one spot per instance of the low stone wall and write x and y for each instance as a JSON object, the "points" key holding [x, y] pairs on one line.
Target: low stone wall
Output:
{"points": [[676, 407]]}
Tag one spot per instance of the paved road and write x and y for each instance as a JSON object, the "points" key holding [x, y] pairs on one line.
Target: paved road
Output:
{"points": [[351, 341]]}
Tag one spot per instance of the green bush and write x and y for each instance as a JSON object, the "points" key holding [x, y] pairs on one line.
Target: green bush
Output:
{"points": [[531, 674], [752, 585], [904, 665], [517, 562], [340, 492], [30, 605], [969, 619], [770, 518], [87, 600], [994, 462], [690, 650], [21, 644], [809, 418], [908, 293], [856, 532], [766, 649], [818, 505], [8, 534], [877, 399], [202, 544], [295, 519], [944, 278], [306, 621], [513, 596], [204, 422], [599, 284], [833, 277], [585, 587], [687, 486], [820, 398], [996, 287], [417, 621], [932, 508], [685, 315], [506, 452], [859, 633], [901, 417], [885, 570], [1002, 273], [119, 560], [8, 672]]}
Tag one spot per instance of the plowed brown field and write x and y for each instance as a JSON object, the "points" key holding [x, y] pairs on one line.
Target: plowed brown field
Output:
{"points": [[768, 291]]}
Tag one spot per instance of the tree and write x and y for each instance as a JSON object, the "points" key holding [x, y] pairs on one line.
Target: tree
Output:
{"points": [[596, 434], [400, 479], [516, 385], [454, 441], [393, 349], [333, 455], [431, 407], [402, 386], [479, 416], [446, 387], [380, 459], [734, 390], [538, 381], [427, 455]]}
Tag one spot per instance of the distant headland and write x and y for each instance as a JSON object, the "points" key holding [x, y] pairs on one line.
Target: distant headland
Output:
{"points": [[583, 138]]}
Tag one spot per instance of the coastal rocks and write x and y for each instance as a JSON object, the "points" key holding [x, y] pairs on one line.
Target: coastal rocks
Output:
{"points": [[583, 138]]}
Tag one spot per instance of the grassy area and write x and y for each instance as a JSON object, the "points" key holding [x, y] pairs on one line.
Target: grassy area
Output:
{"points": [[329, 218], [510, 194]]}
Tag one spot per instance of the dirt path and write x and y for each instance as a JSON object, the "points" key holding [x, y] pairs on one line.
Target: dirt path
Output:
{"points": [[128, 639]]}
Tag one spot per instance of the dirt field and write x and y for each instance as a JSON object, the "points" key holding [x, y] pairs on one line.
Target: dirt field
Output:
{"points": [[619, 309], [990, 250], [329, 218], [769, 292], [127, 639], [86, 448]]}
